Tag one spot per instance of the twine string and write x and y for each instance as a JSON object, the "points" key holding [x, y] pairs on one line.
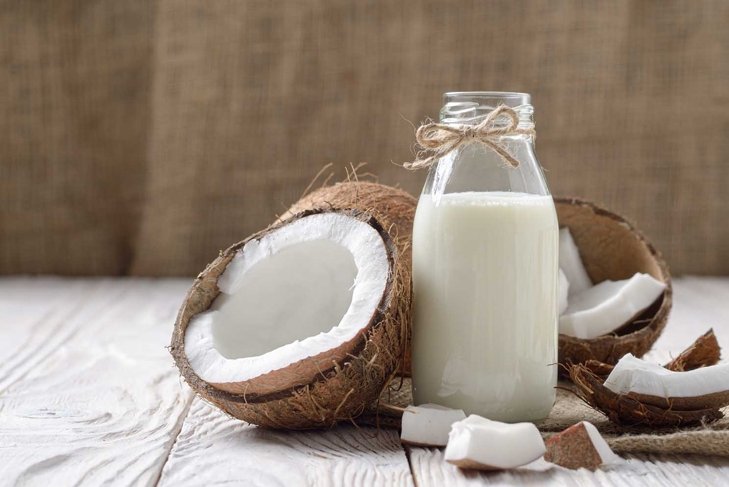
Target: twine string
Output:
{"points": [[436, 140]]}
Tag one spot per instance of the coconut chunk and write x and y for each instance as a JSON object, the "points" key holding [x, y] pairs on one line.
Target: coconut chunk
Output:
{"points": [[580, 446], [705, 387], [428, 424], [480, 443], [571, 263], [609, 305], [563, 288]]}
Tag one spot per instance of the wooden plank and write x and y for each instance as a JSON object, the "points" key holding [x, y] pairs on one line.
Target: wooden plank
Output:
{"points": [[89, 394], [214, 449]]}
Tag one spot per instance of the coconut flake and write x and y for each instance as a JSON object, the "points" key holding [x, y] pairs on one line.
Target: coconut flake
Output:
{"points": [[563, 288], [571, 263], [580, 446], [609, 305], [428, 424], [480, 443], [635, 375]]}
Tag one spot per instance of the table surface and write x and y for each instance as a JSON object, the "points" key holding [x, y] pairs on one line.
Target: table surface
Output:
{"points": [[90, 396]]}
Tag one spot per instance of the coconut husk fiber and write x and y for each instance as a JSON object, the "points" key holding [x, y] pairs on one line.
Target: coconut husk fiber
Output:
{"points": [[708, 439]]}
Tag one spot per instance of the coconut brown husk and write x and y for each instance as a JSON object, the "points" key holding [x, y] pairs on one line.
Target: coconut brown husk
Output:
{"points": [[573, 449], [392, 207], [704, 352], [612, 248], [318, 391], [641, 409]]}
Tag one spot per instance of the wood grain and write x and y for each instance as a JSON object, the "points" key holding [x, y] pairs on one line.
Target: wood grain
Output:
{"points": [[88, 394], [213, 448]]}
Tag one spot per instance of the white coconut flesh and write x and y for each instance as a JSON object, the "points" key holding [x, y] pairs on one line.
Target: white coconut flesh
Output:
{"points": [[298, 291], [428, 424], [607, 456], [571, 263], [609, 305], [635, 375]]}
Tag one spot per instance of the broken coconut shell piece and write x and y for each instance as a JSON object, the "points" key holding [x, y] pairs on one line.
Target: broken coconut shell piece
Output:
{"points": [[300, 325], [625, 410], [626, 407], [580, 446], [703, 352], [428, 424], [613, 249], [609, 305], [479, 443], [649, 383]]}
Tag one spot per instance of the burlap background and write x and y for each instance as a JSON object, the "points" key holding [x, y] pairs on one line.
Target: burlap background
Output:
{"points": [[142, 136]]}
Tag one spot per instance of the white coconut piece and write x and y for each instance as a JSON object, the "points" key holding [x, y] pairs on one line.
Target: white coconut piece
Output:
{"points": [[571, 263], [428, 424], [607, 455], [563, 288], [299, 291], [609, 305], [480, 443], [635, 375]]}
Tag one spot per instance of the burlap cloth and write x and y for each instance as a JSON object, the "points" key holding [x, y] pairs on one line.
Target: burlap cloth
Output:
{"points": [[143, 136], [711, 439]]}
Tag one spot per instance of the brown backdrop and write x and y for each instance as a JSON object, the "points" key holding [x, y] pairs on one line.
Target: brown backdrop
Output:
{"points": [[141, 137]]}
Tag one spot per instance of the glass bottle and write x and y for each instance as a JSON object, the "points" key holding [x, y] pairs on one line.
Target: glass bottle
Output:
{"points": [[485, 250]]}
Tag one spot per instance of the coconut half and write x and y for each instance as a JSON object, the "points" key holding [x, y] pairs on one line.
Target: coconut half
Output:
{"points": [[300, 325], [612, 249]]}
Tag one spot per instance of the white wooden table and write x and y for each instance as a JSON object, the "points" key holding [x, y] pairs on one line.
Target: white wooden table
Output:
{"points": [[90, 396]]}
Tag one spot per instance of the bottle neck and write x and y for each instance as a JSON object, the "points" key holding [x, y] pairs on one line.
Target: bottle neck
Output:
{"points": [[470, 108]]}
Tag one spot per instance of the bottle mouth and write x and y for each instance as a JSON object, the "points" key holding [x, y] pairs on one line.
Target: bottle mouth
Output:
{"points": [[508, 98], [469, 107]]}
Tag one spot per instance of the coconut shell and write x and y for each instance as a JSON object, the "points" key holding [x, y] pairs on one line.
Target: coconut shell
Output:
{"points": [[612, 248], [590, 376], [704, 352], [329, 389], [629, 410], [392, 207]]}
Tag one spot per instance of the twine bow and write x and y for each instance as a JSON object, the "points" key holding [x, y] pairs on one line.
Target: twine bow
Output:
{"points": [[435, 140]]}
